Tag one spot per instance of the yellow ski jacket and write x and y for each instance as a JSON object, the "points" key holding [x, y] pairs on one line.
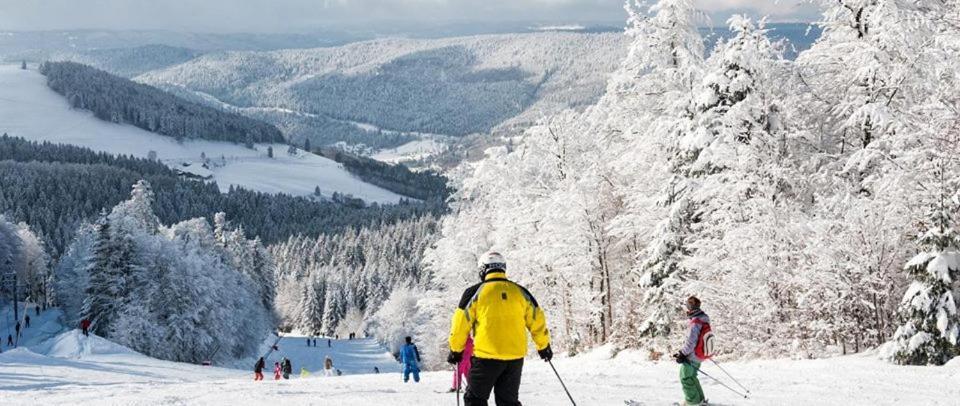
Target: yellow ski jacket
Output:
{"points": [[500, 313]]}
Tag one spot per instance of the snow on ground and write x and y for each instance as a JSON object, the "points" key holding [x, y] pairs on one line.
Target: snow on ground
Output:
{"points": [[411, 151], [107, 375], [42, 326], [29, 109], [351, 357]]}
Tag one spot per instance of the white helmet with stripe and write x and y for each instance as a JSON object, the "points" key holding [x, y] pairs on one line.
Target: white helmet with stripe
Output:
{"points": [[492, 261]]}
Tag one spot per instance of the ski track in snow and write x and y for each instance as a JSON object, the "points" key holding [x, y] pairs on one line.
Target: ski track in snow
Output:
{"points": [[29, 109], [101, 373]]}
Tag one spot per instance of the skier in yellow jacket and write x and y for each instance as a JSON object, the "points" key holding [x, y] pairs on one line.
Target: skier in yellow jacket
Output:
{"points": [[499, 312]]}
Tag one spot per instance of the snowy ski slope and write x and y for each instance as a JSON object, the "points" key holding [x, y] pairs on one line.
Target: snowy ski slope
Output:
{"points": [[29, 109], [352, 357], [79, 370]]}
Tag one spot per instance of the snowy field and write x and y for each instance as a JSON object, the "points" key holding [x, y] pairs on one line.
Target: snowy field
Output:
{"points": [[411, 151], [29, 109], [79, 370]]}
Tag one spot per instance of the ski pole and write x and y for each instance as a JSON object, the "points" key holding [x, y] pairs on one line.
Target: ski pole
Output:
{"points": [[717, 381], [728, 374], [561, 383], [458, 381]]}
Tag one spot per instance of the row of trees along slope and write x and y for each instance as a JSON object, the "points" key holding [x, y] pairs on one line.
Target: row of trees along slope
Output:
{"points": [[121, 100], [789, 195], [55, 187], [159, 289]]}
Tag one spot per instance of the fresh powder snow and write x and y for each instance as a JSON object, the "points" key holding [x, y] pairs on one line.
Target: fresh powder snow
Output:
{"points": [[95, 372], [29, 109]]}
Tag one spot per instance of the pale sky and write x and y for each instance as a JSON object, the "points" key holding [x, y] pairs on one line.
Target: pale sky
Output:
{"points": [[305, 15]]}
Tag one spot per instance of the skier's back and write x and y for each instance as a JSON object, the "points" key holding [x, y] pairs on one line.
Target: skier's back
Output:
{"points": [[692, 354], [500, 313], [287, 368], [410, 357], [85, 326], [258, 369]]}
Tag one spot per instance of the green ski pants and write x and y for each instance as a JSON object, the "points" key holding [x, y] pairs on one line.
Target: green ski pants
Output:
{"points": [[692, 392]]}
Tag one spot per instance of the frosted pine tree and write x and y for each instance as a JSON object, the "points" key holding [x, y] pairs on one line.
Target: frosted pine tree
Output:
{"points": [[931, 329], [312, 306], [111, 266]]}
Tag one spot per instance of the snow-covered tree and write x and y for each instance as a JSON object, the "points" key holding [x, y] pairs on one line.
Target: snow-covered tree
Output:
{"points": [[112, 264], [177, 292], [930, 332]]}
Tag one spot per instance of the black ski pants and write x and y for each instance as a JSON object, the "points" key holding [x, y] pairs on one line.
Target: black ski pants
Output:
{"points": [[502, 377]]}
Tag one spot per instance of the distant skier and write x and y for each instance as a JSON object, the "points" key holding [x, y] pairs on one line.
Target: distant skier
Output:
{"points": [[276, 371], [329, 343], [287, 368], [308, 342], [26, 318], [304, 373], [328, 366], [463, 369], [258, 369], [85, 326], [38, 310], [17, 328], [500, 313], [693, 353], [376, 370], [314, 342], [9, 340], [410, 357]]}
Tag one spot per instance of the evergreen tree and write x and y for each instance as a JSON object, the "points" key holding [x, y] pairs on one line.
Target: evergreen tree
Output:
{"points": [[312, 318], [110, 268], [930, 332]]}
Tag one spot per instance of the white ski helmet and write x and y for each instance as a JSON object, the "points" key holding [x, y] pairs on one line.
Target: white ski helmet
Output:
{"points": [[491, 261]]}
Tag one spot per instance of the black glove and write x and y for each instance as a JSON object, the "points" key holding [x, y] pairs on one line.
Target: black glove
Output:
{"points": [[454, 357], [680, 358], [546, 354]]}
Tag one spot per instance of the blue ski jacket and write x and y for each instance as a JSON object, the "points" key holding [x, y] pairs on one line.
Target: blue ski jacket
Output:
{"points": [[409, 355]]}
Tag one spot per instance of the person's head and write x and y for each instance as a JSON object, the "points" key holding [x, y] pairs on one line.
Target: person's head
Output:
{"points": [[409, 339], [491, 262], [693, 304]]}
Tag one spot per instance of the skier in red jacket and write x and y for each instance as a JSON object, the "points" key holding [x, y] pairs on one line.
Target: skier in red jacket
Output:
{"points": [[85, 325]]}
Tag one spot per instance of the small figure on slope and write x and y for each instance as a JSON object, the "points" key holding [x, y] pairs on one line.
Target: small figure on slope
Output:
{"points": [[85, 326], [258, 369], [328, 366], [410, 357], [693, 353], [276, 371], [304, 373], [287, 368], [500, 313], [26, 318]]}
